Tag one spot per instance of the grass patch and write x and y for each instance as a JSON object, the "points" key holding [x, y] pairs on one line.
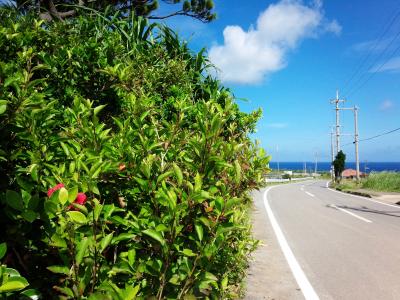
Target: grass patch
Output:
{"points": [[346, 185], [382, 182]]}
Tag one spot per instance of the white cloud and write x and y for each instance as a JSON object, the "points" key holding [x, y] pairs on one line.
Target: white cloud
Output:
{"points": [[386, 105], [278, 125], [333, 27], [248, 56], [392, 65]]}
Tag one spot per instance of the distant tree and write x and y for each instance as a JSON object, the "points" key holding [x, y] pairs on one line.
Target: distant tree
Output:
{"points": [[62, 9], [339, 165]]}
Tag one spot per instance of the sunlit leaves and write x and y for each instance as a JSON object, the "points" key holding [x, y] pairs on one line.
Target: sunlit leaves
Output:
{"points": [[129, 116]]}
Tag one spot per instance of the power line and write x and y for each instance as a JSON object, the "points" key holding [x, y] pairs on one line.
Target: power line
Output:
{"points": [[375, 71], [385, 30], [375, 136]]}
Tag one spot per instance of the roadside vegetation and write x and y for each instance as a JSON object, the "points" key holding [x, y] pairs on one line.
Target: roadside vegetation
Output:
{"points": [[382, 181], [376, 181], [125, 169]]}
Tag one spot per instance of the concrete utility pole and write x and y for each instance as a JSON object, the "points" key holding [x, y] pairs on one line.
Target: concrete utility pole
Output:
{"points": [[356, 142], [277, 158], [338, 134], [316, 163], [337, 102], [333, 156]]}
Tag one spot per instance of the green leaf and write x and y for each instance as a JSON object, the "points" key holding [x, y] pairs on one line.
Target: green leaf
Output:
{"points": [[80, 208], [142, 182], [83, 245], [155, 235], [50, 208], [190, 297], [238, 171], [131, 256], [3, 108], [205, 221], [65, 148], [99, 108], [32, 294], [3, 250], [12, 272], [188, 252], [67, 291], [29, 215], [93, 187], [197, 182], [130, 292], [57, 241], [145, 168], [175, 279], [33, 170], [199, 231], [178, 173], [63, 196], [215, 123], [123, 237], [224, 283], [210, 276], [232, 202], [106, 241], [14, 284], [59, 270], [14, 200], [72, 193], [77, 217], [163, 176], [97, 209]]}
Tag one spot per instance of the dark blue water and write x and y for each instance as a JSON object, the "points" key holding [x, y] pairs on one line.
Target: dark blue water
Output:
{"points": [[326, 166]]}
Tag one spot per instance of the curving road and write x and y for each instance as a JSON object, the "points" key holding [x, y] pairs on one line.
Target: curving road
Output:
{"points": [[345, 246]]}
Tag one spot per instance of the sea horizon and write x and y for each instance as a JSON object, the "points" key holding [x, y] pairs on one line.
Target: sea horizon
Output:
{"points": [[365, 166]]}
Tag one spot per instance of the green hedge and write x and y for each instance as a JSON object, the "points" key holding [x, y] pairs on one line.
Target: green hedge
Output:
{"points": [[154, 158]]}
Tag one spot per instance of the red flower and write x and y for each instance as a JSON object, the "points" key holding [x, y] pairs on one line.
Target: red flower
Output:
{"points": [[53, 189], [80, 199]]}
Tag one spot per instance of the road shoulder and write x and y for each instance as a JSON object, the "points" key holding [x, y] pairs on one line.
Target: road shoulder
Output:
{"points": [[269, 276]]}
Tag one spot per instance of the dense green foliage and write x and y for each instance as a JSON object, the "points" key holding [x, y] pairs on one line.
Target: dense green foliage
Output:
{"points": [[126, 114], [339, 165], [382, 181], [63, 9]]}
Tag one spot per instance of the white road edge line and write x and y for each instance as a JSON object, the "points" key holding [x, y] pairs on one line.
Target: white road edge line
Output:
{"points": [[309, 194], [350, 213], [301, 278], [364, 198]]}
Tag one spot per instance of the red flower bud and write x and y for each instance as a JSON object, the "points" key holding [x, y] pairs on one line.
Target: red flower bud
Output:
{"points": [[53, 189], [80, 199]]}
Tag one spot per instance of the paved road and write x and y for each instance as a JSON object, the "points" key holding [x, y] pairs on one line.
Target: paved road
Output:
{"points": [[348, 247]]}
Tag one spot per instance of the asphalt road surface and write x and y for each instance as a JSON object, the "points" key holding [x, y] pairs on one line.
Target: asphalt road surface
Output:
{"points": [[338, 246]]}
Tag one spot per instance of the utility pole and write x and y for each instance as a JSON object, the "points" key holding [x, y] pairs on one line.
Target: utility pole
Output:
{"points": [[277, 158], [333, 156], [338, 134], [316, 163], [337, 102], [356, 142]]}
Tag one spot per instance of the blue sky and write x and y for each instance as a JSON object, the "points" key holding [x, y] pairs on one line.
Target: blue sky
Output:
{"points": [[289, 57]]}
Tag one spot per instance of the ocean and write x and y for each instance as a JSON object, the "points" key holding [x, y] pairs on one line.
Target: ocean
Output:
{"points": [[326, 166]]}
